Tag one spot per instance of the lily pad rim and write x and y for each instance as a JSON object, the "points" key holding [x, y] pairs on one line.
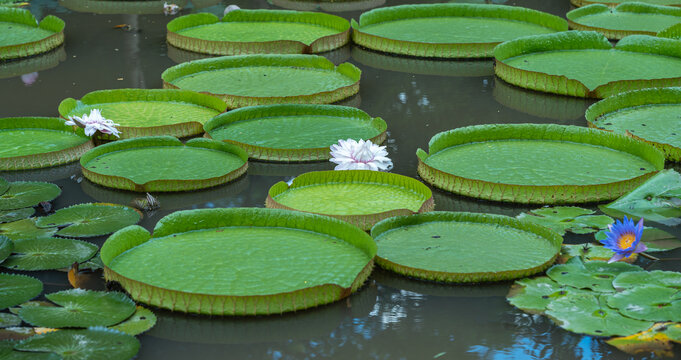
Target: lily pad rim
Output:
{"points": [[624, 7], [25, 17]]}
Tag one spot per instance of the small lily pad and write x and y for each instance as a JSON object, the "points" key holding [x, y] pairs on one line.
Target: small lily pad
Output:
{"points": [[25, 230], [671, 279], [567, 218], [14, 215], [16, 289], [80, 308], [92, 343], [9, 320], [92, 219], [655, 239], [25, 194], [142, 320], [589, 314], [589, 252], [48, 254], [7, 352], [657, 340], [594, 275], [533, 295], [648, 302], [6, 246]]}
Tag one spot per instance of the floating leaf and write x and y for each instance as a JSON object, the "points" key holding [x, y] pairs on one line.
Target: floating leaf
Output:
{"points": [[7, 351], [25, 230], [48, 254], [625, 19], [589, 252], [9, 320], [92, 219], [655, 239], [16, 289], [658, 340], [14, 215], [142, 320], [658, 200], [567, 218], [6, 247], [533, 295], [25, 194], [648, 302], [92, 343], [589, 314], [80, 308], [33, 303], [594, 275], [25, 36], [630, 280]]}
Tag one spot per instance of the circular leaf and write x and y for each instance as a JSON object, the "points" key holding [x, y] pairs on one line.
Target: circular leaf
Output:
{"points": [[17, 214], [9, 320], [80, 308], [16, 289], [48, 254], [93, 343], [625, 19], [533, 295], [7, 352], [142, 320], [25, 36], [25, 230], [594, 275], [25, 194], [648, 302], [92, 219], [630, 280]]}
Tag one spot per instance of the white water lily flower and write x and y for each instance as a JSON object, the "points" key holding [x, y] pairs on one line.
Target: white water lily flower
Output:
{"points": [[170, 9], [363, 155], [94, 122]]}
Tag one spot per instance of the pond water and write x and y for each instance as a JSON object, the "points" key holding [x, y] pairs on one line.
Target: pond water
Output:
{"points": [[391, 317]]}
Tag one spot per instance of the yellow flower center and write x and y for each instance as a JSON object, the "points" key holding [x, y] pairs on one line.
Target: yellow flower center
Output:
{"points": [[626, 240]]}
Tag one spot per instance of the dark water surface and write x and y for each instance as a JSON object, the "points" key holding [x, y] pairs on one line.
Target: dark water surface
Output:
{"points": [[391, 317]]}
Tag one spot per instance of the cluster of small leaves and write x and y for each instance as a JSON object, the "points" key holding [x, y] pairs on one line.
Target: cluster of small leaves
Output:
{"points": [[567, 218], [616, 300]]}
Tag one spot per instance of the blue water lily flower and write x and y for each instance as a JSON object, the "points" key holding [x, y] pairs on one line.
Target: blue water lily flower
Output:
{"points": [[624, 238]]}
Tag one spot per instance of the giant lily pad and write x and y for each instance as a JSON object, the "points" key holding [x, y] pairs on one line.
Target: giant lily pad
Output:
{"points": [[249, 80], [464, 247], [93, 343], [30, 143], [144, 112], [259, 31], [658, 200], [672, 32], [651, 115], [594, 275], [360, 197], [25, 230], [648, 302], [48, 254], [573, 63], [482, 161], [292, 261], [533, 295], [613, 3], [628, 280], [658, 340], [16, 214], [164, 163], [567, 218], [626, 19], [449, 30], [23, 194], [80, 308], [589, 314], [299, 132], [86, 220], [21, 35], [16, 289]]}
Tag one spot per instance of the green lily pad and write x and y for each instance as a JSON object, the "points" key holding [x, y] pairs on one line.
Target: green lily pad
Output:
{"points": [[259, 31], [648, 302], [164, 163], [48, 254], [567, 218], [533, 295], [9, 320], [142, 320], [7, 352], [657, 340], [481, 161], [572, 63], [672, 32], [589, 314], [16, 289], [249, 80], [650, 115], [23, 36], [6, 246], [17, 214], [80, 308], [671, 279], [38, 142], [23, 194], [294, 132], [455, 246], [594, 275], [655, 239], [91, 219], [360, 197], [148, 112], [449, 30], [589, 252], [658, 200], [92, 343], [293, 261], [613, 3], [25, 230], [625, 19]]}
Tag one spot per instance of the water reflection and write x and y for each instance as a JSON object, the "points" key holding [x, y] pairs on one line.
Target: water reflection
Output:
{"points": [[327, 6], [23, 67], [119, 7], [178, 55], [445, 201], [46, 174]]}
